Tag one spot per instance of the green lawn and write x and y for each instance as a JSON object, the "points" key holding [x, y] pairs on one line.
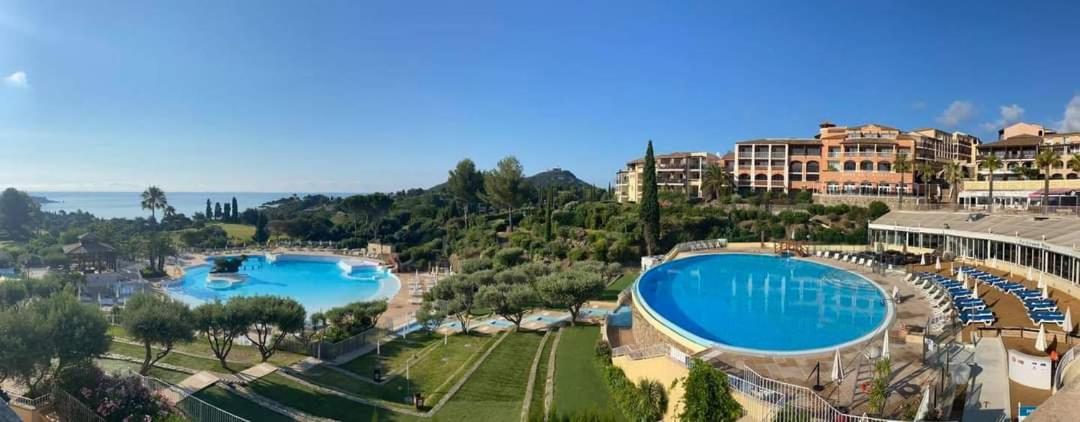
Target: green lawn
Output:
{"points": [[394, 354], [238, 232], [536, 403], [190, 362], [247, 354], [579, 382], [121, 367], [432, 374], [239, 406], [496, 390], [620, 284], [298, 396]]}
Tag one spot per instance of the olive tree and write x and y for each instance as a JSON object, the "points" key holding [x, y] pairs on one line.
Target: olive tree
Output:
{"points": [[510, 301], [570, 290], [157, 322], [221, 324], [272, 318], [456, 296]]}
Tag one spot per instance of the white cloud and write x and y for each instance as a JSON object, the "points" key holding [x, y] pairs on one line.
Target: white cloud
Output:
{"points": [[1071, 122], [957, 112], [17, 80], [1009, 114]]}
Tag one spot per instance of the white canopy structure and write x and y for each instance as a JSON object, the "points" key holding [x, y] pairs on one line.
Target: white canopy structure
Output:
{"points": [[837, 368]]}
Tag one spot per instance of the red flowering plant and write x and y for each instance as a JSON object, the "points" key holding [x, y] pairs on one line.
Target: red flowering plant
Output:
{"points": [[123, 399]]}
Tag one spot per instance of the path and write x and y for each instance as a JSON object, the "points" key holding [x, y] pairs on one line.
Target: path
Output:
{"points": [[988, 398]]}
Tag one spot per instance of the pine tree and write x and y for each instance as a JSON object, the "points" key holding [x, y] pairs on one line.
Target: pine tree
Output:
{"points": [[650, 204], [235, 210]]}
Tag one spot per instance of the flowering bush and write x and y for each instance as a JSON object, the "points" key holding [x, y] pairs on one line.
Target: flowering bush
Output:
{"points": [[122, 399]]}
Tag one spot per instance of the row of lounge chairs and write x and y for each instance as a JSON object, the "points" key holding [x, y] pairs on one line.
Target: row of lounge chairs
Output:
{"points": [[854, 258], [969, 309], [702, 245], [1040, 309]]}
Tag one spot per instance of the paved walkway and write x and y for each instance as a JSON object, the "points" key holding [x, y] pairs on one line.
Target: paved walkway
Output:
{"points": [[988, 398]]}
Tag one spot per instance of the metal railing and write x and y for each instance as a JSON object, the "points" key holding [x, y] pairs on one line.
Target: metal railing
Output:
{"points": [[635, 352], [28, 402], [192, 407], [778, 401], [69, 408], [1063, 364]]}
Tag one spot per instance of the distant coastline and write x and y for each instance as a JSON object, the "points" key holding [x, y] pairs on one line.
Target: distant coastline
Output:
{"points": [[41, 200], [128, 204]]}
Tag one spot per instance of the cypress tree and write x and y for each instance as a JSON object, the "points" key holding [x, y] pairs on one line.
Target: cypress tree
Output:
{"points": [[209, 210], [650, 203], [227, 214], [217, 210], [547, 217], [235, 210]]}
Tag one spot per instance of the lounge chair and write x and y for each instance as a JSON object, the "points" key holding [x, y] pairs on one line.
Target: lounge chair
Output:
{"points": [[970, 305], [1040, 306], [981, 313], [1044, 317], [987, 320], [1028, 294]]}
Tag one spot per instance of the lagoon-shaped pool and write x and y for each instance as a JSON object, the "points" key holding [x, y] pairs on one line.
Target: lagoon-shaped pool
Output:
{"points": [[317, 282]]}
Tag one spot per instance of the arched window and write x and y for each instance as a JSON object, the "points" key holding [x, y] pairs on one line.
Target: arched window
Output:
{"points": [[1071, 176], [813, 167], [744, 177], [849, 166], [866, 165], [760, 177], [1056, 177], [779, 177], [884, 166], [796, 166]]}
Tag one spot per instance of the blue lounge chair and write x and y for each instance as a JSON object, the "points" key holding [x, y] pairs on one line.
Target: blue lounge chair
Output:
{"points": [[969, 305], [1027, 294], [1040, 306], [1012, 287], [1047, 317], [960, 293], [974, 319], [973, 314]]}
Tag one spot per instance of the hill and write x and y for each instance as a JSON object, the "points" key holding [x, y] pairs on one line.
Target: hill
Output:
{"points": [[545, 179]]}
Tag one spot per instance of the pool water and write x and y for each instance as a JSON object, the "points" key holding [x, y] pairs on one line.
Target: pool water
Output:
{"points": [[761, 303], [318, 283]]}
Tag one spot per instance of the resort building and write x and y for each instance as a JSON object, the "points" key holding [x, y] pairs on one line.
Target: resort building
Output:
{"points": [[677, 171], [1018, 184], [847, 160], [1016, 243]]}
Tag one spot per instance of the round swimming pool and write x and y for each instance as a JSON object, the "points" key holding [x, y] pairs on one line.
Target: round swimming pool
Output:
{"points": [[762, 304], [317, 282]]}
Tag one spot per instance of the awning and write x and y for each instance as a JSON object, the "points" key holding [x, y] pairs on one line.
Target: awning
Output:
{"points": [[997, 194], [1053, 192]]}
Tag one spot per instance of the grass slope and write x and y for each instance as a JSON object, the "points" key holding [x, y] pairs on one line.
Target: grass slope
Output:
{"points": [[238, 232], [495, 391], [246, 354], [612, 291], [431, 374], [185, 361], [298, 396], [238, 405], [536, 402], [579, 383]]}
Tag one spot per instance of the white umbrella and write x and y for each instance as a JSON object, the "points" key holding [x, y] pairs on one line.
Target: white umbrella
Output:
{"points": [[1041, 283], [1046, 292], [922, 260], [993, 262], [1040, 340], [937, 266], [885, 346], [1068, 320], [924, 405], [895, 292], [967, 286], [838, 368], [975, 290]]}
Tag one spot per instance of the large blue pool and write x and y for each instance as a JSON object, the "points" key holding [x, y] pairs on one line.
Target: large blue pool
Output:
{"points": [[763, 304], [317, 282]]}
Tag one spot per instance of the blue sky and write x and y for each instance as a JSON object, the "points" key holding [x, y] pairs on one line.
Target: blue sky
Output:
{"points": [[366, 96]]}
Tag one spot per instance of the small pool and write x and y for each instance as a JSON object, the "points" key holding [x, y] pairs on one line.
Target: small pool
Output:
{"points": [[762, 304], [317, 282]]}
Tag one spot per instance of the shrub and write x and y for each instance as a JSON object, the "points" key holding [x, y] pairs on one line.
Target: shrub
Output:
{"points": [[476, 264], [603, 351], [509, 257]]}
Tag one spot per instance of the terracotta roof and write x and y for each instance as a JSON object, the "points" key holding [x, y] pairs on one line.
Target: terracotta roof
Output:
{"points": [[88, 244], [781, 141], [874, 124], [708, 155], [1019, 140]]}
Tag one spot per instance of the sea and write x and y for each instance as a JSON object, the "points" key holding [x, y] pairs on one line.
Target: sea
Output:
{"points": [[127, 204]]}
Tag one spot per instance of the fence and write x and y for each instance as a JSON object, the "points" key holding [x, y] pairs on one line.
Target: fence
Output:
{"points": [[635, 352], [777, 401], [192, 407], [68, 408], [1062, 364], [330, 351]]}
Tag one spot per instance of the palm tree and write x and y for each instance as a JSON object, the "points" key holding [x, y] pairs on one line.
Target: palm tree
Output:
{"points": [[992, 163], [1045, 159], [901, 165], [954, 173], [926, 172], [1074, 162], [153, 198], [716, 181]]}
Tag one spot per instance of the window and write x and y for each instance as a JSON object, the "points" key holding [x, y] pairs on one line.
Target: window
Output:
{"points": [[884, 166], [849, 166], [866, 166], [812, 167], [834, 166]]}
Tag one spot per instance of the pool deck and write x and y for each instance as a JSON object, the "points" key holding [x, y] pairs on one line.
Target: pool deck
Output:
{"points": [[909, 373]]}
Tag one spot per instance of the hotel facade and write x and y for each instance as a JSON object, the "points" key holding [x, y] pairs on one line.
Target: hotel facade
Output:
{"points": [[1016, 184], [678, 172]]}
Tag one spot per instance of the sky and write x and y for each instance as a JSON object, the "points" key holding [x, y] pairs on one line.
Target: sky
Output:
{"points": [[348, 96]]}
